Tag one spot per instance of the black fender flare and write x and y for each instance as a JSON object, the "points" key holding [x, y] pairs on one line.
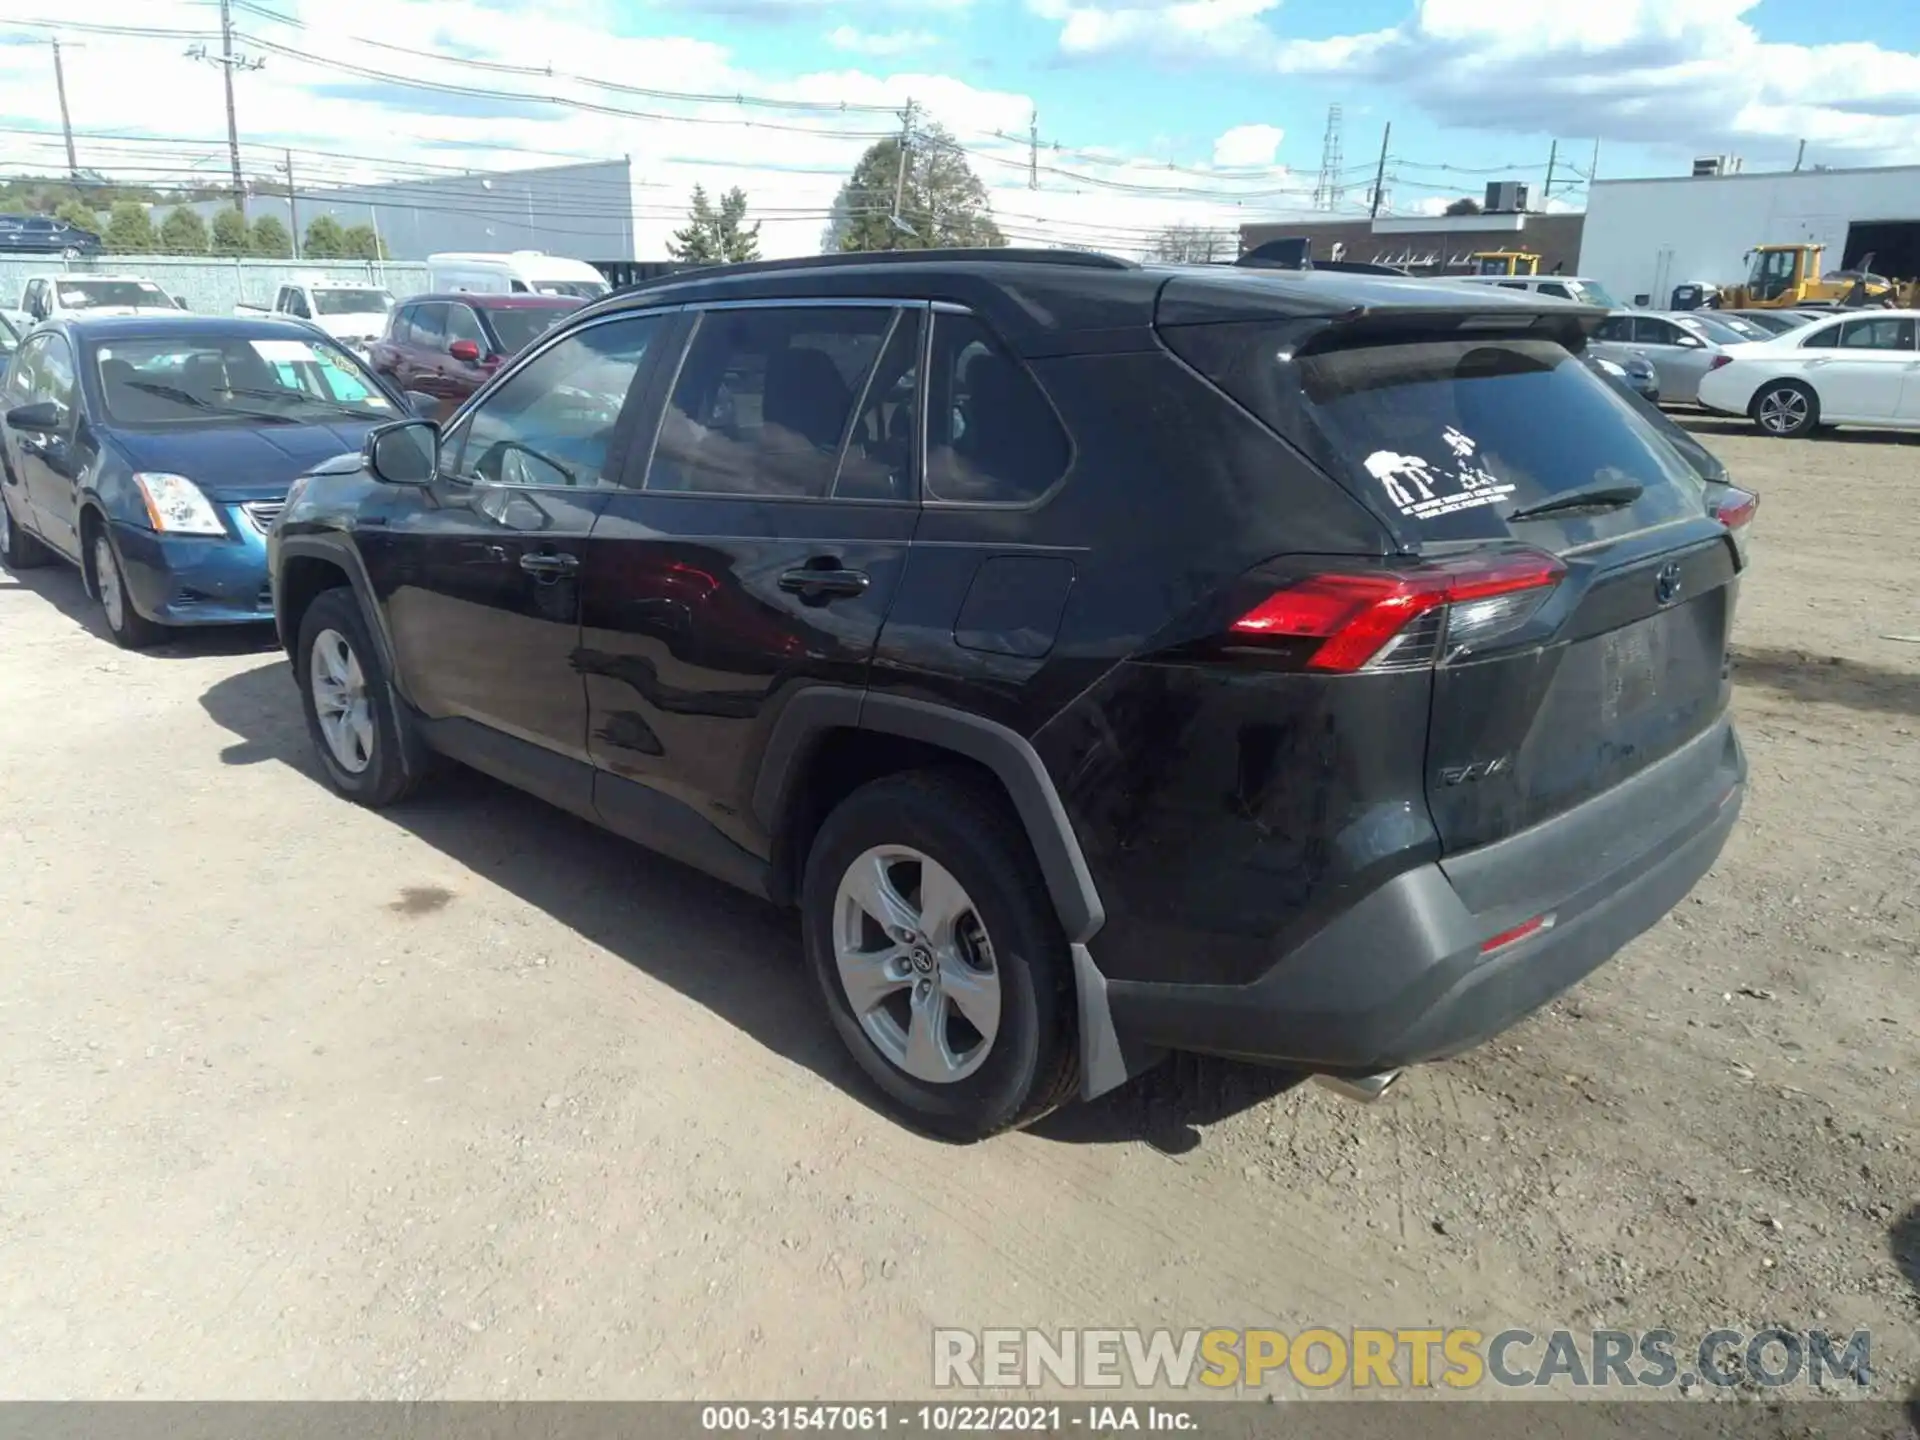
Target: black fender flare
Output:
{"points": [[808, 715], [343, 556], [1106, 1061]]}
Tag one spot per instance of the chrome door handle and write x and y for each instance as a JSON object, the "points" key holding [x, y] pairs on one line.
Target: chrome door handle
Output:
{"points": [[549, 566]]}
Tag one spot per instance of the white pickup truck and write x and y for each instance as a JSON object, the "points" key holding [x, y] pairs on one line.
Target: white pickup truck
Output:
{"points": [[352, 312]]}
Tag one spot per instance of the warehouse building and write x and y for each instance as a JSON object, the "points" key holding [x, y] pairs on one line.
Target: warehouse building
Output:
{"points": [[1436, 244], [1645, 237], [583, 212]]}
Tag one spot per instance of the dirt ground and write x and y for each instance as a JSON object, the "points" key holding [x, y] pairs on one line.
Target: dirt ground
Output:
{"points": [[470, 1100]]}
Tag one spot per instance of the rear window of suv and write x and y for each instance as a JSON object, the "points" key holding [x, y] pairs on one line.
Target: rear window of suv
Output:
{"points": [[1449, 436], [1454, 435]]}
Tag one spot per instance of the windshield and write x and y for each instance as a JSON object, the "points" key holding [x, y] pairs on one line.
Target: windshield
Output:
{"points": [[194, 380], [520, 326], [92, 294], [1456, 434], [1590, 293], [355, 301], [9, 337], [572, 289]]}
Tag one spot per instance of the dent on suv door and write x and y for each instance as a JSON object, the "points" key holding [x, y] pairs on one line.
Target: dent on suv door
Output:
{"points": [[755, 550], [480, 574]]}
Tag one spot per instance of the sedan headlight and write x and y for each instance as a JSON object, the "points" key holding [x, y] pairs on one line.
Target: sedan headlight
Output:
{"points": [[176, 506]]}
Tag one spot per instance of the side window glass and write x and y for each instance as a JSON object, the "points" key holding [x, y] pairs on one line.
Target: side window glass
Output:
{"points": [[463, 324], [23, 374], [430, 326], [879, 458], [55, 378], [763, 400], [992, 438], [550, 422], [1617, 328], [400, 324], [1559, 292], [1886, 333], [1825, 339]]}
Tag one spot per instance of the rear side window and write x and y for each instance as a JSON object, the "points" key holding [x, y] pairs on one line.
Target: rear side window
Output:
{"points": [[1886, 333], [1617, 328], [764, 398], [429, 326], [992, 438], [1453, 435], [400, 324]]}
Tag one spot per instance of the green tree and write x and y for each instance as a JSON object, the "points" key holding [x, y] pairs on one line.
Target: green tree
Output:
{"points": [[942, 202], [362, 242], [230, 232], [716, 236], [183, 232], [129, 230], [325, 240], [270, 240], [1465, 205], [75, 212]]}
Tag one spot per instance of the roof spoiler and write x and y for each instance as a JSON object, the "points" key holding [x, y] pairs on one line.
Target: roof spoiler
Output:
{"points": [[1295, 252]]}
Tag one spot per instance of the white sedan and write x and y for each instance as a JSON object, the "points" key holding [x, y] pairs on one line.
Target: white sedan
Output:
{"points": [[1863, 369]]}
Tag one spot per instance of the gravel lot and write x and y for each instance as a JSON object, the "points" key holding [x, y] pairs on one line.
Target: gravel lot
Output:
{"points": [[470, 1100]]}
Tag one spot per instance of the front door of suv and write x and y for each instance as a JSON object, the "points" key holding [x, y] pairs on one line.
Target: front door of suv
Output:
{"points": [[480, 574], [755, 548]]}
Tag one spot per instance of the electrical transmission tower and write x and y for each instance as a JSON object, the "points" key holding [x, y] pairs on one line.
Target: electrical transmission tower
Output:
{"points": [[1329, 192]]}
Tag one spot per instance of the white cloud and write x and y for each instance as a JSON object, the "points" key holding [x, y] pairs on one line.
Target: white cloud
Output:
{"points": [[1248, 145], [790, 164], [1689, 73], [880, 43]]}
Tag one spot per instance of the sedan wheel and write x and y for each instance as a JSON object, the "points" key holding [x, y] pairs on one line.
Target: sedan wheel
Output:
{"points": [[1784, 410], [916, 964], [106, 578], [340, 701]]}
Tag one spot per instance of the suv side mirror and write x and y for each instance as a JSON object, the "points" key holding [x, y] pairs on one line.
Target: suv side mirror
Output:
{"points": [[465, 351], [406, 452], [40, 418]]}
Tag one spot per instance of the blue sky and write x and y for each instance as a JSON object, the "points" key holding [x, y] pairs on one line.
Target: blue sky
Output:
{"points": [[1163, 111]]}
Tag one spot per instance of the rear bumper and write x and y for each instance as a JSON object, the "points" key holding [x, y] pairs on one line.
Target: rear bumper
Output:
{"points": [[196, 580], [1401, 977]]}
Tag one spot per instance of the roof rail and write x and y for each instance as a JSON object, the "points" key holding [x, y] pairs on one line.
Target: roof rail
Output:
{"points": [[998, 255]]}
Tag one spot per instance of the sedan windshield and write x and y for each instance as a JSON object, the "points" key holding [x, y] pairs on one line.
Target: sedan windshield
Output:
{"points": [[358, 300], [197, 379], [92, 294]]}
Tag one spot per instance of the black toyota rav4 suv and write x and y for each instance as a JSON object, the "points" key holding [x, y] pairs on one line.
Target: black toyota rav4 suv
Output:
{"points": [[1307, 667]]}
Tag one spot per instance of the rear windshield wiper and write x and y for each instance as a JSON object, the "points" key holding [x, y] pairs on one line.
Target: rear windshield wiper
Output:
{"points": [[1604, 497]]}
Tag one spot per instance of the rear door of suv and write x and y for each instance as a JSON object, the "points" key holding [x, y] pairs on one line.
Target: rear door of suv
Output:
{"points": [[754, 547]]}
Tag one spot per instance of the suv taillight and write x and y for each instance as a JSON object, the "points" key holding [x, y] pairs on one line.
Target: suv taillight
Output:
{"points": [[1402, 619], [1736, 511]]}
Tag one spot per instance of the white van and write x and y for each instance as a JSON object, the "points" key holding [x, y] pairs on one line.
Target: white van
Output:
{"points": [[523, 272]]}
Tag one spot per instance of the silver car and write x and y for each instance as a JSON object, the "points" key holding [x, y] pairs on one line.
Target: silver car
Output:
{"points": [[1681, 345]]}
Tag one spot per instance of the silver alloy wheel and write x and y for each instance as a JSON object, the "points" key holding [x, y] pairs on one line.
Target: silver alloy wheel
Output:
{"points": [[1783, 411], [6, 528], [340, 700], [916, 964], [106, 578]]}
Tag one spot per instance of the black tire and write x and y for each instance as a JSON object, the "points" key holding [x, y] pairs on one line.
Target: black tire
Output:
{"points": [[399, 760], [1031, 1065], [1785, 410], [129, 628], [18, 549]]}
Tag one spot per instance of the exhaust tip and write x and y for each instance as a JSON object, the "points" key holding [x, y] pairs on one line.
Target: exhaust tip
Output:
{"points": [[1363, 1089]]}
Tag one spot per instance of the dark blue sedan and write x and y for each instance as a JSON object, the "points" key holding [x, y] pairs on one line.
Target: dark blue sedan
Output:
{"points": [[154, 452]]}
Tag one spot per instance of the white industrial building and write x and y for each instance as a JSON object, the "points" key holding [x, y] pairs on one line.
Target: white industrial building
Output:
{"points": [[1644, 237]]}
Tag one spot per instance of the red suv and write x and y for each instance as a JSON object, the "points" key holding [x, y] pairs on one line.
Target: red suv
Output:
{"points": [[448, 346]]}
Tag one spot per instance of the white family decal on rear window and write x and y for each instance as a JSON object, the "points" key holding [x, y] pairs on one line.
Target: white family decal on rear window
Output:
{"points": [[1419, 488]]}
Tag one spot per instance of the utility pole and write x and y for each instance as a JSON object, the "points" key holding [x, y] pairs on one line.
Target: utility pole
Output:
{"points": [[1593, 172], [66, 121], [1798, 160], [1553, 159], [1380, 174], [1033, 150], [900, 171], [228, 63], [293, 205]]}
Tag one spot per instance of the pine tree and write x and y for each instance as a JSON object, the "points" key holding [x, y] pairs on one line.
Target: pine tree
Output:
{"points": [[183, 232], [269, 239], [716, 236], [230, 232], [76, 212], [129, 230]]}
